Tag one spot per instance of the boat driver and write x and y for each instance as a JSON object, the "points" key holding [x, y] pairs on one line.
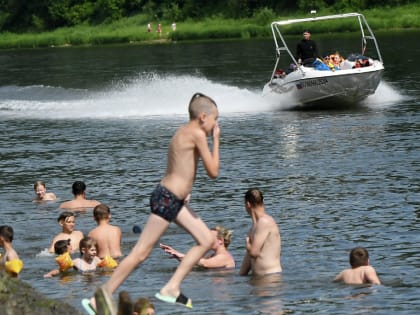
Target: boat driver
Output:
{"points": [[306, 49]]}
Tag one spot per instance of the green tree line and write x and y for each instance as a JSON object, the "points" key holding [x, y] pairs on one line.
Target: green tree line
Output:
{"points": [[45, 15]]}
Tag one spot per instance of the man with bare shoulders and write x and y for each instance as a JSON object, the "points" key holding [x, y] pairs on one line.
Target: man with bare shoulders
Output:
{"points": [[107, 236], [187, 146], [263, 242], [79, 203], [360, 272]]}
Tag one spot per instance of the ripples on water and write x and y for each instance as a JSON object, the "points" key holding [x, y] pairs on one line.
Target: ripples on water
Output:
{"points": [[332, 180]]}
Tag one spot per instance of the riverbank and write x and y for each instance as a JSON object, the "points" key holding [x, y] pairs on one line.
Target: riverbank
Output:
{"points": [[133, 30], [19, 298]]}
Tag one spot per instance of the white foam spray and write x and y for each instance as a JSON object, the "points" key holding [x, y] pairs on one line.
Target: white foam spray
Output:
{"points": [[147, 95]]}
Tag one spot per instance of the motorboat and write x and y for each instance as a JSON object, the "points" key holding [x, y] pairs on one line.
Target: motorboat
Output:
{"points": [[310, 83]]}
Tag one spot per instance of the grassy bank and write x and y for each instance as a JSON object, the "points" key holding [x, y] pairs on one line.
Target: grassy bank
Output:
{"points": [[133, 29]]}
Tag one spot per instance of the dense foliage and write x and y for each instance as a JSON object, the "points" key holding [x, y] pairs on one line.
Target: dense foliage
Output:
{"points": [[41, 15]]}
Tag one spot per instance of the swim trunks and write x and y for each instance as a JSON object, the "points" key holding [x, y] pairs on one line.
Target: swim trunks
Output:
{"points": [[165, 204]]}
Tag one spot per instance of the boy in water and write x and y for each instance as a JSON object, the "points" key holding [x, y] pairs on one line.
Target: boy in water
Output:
{"points": [[107, 235], [188, 144], [79, 203], [360, 271], [9, 260], [62, 249], [41, 192], [67, 221]]}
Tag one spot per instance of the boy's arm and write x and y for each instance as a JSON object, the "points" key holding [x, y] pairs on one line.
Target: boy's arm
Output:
{"points": [[51, 250], [210, 159], [371, 276], [52, 273], [246, 265], [339, 277]]}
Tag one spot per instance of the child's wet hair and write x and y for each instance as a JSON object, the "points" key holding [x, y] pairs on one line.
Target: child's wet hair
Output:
{"points": [[359, 256], [200, 103], [86, 243], [101, 212], [6, 232], [61, 246], [64, 215]]}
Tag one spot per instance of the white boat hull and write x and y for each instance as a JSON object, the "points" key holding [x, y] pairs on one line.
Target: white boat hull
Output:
{"points": [[316, 87]]}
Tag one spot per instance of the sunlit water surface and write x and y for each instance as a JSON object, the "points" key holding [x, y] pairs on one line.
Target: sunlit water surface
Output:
{"points": [[333, 180]]}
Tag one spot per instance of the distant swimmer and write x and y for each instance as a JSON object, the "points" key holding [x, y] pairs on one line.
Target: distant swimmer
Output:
{"points": [[79, 203], [263, 242], [41, 192], [360, 272], [220, 256], [67, 221]]}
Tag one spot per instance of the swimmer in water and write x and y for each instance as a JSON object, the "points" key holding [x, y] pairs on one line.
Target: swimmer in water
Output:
{"points": [[41, 192]]}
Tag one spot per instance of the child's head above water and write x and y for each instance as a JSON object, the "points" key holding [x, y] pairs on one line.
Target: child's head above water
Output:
{"points": [[87, 243], [101, 212], [6, 233], [62, 246], [359, 256]]}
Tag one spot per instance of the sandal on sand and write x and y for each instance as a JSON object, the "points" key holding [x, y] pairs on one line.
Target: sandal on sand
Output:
{"points": [[104, 303], [88, 307], [181, 299]]}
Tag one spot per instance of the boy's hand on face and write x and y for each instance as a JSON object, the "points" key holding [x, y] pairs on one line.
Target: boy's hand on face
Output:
{"points": [[216, 131]]}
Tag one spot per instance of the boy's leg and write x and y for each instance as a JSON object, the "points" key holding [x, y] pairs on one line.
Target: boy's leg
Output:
{"points": [[188, 220], [153, 230]]}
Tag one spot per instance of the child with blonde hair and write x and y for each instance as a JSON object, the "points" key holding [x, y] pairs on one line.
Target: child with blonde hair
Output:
{"points": [[89, 259]]}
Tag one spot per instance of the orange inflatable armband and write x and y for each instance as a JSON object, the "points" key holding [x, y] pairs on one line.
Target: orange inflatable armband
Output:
{"points": [[13, 267], [64, 262], [107, 262]]}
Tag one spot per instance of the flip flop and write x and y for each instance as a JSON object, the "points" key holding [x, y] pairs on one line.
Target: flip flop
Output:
{"points": [[104, 303], [181, 299], [88, 307]]}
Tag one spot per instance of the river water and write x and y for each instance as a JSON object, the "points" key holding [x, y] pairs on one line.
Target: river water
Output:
{"points": [[333, 180]]}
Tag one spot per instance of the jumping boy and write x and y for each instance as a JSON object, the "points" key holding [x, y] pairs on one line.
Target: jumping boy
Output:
{"points": [[188, 144], [360, 271], [9, 260], [67, 221], [107, 236]]}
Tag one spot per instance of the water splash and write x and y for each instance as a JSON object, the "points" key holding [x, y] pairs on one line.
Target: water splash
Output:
{"points": [[146, 95], [385, 96]]}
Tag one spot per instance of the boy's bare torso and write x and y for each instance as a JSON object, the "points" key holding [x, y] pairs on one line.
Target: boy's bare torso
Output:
{"points": [[108, 238], [182, 160], [359, 275]]}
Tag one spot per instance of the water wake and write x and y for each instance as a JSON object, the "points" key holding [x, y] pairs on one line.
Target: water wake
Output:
{"points": [[146, 95]]}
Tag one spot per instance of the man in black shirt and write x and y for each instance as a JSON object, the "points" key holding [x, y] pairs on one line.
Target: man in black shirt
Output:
{"points": [[306, 48]]}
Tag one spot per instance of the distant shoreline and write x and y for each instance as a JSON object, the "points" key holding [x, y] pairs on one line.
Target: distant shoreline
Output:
{"points": [[133, 30]]}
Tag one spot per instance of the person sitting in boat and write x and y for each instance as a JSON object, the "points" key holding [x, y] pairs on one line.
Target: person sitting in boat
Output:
{"points": [[306, 49], [334, 61]]}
